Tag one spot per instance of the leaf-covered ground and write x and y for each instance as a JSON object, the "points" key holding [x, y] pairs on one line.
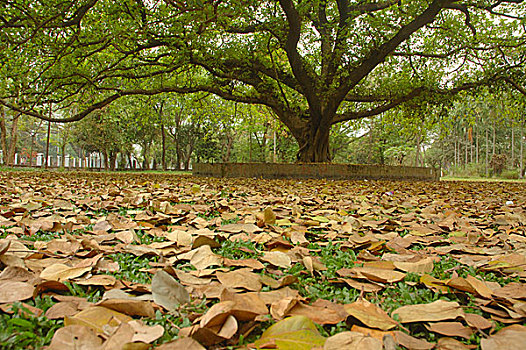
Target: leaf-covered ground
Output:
{"points": [[173, 262]]}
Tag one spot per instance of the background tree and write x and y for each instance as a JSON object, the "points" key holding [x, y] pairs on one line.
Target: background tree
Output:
{"points": [[315, 63]]}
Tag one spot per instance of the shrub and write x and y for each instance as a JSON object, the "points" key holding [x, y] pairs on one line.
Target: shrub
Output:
{"points": [[510, 174]]}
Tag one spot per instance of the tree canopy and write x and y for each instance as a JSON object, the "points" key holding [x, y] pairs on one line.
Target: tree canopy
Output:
{"points": [[315, 63]]}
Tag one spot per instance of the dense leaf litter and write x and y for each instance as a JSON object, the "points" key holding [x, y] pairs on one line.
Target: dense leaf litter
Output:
{"points": [[251, 263]]}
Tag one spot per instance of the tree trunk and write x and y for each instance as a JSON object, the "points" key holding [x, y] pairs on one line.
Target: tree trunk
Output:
{"points": [[521, 162], [12, 144], [494, 136], [3, 134], [487, 154], [314, 149], [512, 148], [163, 145]]}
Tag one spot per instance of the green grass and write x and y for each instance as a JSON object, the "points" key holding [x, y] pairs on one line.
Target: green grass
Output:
{"points": [[27, 331], [480, 179]]}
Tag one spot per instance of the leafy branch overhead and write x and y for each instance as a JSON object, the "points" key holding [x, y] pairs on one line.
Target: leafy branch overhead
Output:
{"points": [[314, 63]]}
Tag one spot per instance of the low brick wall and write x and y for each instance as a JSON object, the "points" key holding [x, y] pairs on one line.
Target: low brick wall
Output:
{"points": [[315, 171]]}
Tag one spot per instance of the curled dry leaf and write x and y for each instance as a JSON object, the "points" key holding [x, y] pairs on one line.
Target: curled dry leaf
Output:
{"points": [[370, 315], [61, 272], [278, 259], [96, 317]]}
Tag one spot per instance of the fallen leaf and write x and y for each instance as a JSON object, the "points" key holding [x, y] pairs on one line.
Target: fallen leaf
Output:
{"points": [[420, 267], [75, 337], [61, 272], [203, 258], [278, 259], [508, 338], [96, 317], [11, 291], [452, 329], [181, 344], [242, 278], [129, 307], [370, 315], [436, 311], [293, 333], [167, 292], [145, 334], [412, 343], [352, 340]]}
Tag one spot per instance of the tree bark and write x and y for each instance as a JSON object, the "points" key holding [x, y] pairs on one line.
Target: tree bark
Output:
{"points": [[3, 134], [163, 145], [487, 154], [315, 147]]}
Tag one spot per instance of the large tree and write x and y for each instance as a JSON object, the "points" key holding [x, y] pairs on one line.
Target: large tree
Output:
{"points": [[315, 63]]}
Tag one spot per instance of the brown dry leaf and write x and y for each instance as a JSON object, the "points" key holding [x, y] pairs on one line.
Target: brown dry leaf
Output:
{"points": [[126, 236], [434, 283], [217, 314], [75, 337], [508, 338], [278, 259], [472, 285], [242, 278], [11, 291], [511, 290], [477, 321], [167, 292], [187, 278], [352, 340], [122, 335], [373, 274], [412, 343], [62, 309], [182, 238], [269, 217], [203, 258], [436, 311], [319, 314], [181, 344], [129, 307], [367, 287], [452, 329], [145, 334], [251, 263], [281, 307], [452, 344], [96, 317], [61, 272], [246, 306], [98, 280], [420, 267], [370, 315], [293, 333]]}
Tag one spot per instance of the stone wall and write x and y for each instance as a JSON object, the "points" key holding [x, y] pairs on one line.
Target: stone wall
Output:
{"points": [[315, 171]]}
